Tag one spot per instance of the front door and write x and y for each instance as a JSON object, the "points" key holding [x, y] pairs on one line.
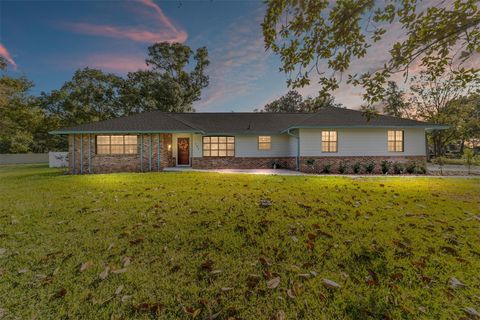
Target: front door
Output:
{"points": [[183, 151]]}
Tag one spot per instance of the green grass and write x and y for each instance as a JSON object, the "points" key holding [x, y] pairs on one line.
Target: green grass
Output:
{"points": [[200, 244]]}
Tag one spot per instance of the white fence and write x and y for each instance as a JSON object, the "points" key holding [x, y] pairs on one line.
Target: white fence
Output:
{"points": [[58, 159], [18, 158]]}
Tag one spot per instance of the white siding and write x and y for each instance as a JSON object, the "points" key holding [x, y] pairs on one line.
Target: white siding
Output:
{"points": [[362, 142]]}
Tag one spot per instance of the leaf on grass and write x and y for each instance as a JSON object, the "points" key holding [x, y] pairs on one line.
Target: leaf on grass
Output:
{"points": [[126, 261], [372, 280], [207, 265], [280, 315], [226, 289], [455, 283], [104, 273], [60, 293], [148, 307], [86, 265], [265, 203], [264, 261], [472, 312], [214, 272], [192, 311], [126, 298], [119, 290], [137, 241], [22, 271], [330, 284], [118, 271], [272, 284]]}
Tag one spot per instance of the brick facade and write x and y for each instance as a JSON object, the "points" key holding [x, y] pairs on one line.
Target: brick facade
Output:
{"points": [[83, 158], [242, 163], [320, 162]]}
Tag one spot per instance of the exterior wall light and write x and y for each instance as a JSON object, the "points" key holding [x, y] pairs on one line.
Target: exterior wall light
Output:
{"points": [[169, 147]]}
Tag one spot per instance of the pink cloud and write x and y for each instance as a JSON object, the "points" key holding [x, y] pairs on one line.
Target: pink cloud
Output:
{"points": [[4, 53], [169, 32], [115, 63]]}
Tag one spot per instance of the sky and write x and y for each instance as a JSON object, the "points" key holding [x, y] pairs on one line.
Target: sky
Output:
{"points": [[48, 40]]}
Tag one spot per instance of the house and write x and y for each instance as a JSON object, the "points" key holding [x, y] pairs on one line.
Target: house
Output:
{"points": [[307, 142]]}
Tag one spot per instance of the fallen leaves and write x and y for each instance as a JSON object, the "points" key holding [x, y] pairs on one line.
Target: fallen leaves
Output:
{"points": [[330, 284], [86, 265], [104, 274], [454, 283], [273, 283], [265, 203]]}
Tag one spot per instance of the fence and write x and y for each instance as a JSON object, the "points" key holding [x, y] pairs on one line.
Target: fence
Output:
{"points": [[23, 158]]}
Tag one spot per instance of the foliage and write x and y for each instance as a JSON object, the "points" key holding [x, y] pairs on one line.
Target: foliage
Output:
{"points": [[167, 86], [343, 166], [394, 102], [369, 166], [440, 161], [205, 246], [312, 36], [398, 168], [469, 158], [356, 167], [386, 166], [293, 101], [327, 168], [20, 117]]}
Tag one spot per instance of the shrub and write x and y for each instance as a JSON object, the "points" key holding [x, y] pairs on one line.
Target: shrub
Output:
{"points": [[369, 166], [410, 167], [469, 158], [397, 168], [440, 161], [356, 167], [386, 165], [327, 168], [343, 166], [420, 169]]}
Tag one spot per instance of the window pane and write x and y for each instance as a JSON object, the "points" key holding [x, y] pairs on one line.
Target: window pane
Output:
{"points": [[231, 139], [222, 139], [264, 139], [117, 149], [206, 139], [102, 149], [206, 153], [391, 146], [214, 139], [214, 146], [103, 139], [130, 139], [333, 135], [206, 146], [214, 153], [231, 153], [222, 153], [399, 135], [222, 146], [130, 148], [391, 135], [399, 146], [231, 146], [117, 140]]}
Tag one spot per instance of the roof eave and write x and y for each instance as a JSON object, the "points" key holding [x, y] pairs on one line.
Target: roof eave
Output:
{"points": [[60, 132], [426, 127]]}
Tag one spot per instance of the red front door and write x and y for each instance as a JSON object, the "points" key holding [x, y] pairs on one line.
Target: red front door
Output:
{"points": [[183, 151]]}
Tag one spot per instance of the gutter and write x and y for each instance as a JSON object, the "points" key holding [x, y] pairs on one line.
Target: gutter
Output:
{"points": [[297, 160], [426, 127]]}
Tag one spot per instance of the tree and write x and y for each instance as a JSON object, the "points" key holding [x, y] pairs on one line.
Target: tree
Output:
{"points": [[438, 100], [394, 102], [293, 101], [322, 35], [167, 86], [19, 114], [90, 95]]}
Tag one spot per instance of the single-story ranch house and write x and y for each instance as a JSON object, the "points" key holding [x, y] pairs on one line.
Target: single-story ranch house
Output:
{"points": [[307, 142]]}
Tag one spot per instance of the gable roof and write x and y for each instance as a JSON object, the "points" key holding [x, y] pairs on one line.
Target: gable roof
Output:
{"points": [[241, 123]]}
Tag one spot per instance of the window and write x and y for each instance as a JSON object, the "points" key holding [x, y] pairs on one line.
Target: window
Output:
{"points": [[329, 141], [116, 144], [395, 140], [218, 146], [264, 142]]}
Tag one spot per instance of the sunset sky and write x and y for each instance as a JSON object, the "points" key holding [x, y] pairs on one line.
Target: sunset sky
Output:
{"points": [[48, 40]]}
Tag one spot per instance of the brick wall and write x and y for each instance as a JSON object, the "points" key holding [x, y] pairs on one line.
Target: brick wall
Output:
{"points": [[242, 163], [320, 162], [83, 159]]}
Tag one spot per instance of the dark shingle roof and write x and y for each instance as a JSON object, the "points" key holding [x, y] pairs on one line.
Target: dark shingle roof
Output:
{"points": [[244, 123]]}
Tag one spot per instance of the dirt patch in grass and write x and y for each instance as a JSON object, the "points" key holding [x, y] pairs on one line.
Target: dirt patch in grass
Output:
{"points": [[203, 245]]}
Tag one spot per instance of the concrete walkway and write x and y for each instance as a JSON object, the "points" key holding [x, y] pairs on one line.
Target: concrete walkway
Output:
{"points": [[284, 172]]}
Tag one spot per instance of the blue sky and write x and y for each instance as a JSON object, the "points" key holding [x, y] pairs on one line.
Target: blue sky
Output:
{"points": [[48, 40]]}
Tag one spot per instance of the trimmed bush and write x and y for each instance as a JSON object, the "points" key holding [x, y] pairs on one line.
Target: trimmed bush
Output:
{"points": [[356, 167], [327, 168], [369, 166], [343, 167], [410, 167], [386, 165], [397, 168]]}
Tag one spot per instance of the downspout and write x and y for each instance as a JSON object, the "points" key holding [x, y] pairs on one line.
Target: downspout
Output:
{"points": [[73, 155], [141, 152], [297, 160], [158, 153], [89, 153], [81, 154], [150, 154]]}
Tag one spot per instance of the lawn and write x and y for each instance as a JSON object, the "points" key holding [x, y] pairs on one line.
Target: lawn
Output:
{"points": [[204, 245]]}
